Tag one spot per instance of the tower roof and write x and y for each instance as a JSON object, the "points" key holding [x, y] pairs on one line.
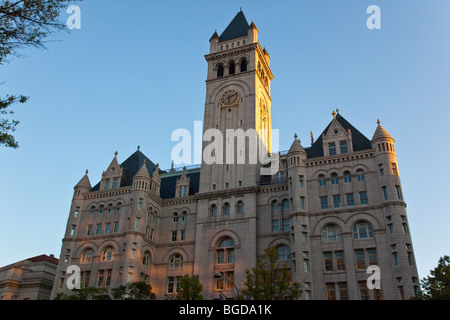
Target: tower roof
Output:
{"points": [[381, 133], [359, 141], [84, 182], [296, 146], [237, 28]]}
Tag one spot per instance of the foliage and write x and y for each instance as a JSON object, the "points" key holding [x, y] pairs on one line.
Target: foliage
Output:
{"points": [[270, 279], [24, 23], [89, 293], [134, 291], [436, 286], [190, 288]]}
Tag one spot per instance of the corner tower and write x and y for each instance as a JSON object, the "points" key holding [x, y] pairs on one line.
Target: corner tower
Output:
{"points": [[237, 97]]}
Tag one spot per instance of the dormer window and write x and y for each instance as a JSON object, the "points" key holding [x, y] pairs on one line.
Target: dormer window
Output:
{"points": [[332, 149], [107, 184], [115, 183], [183, 191], [343, 147]]}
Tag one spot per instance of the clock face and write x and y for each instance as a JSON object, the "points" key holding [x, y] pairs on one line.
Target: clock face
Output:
{"points": [[229, 98]]}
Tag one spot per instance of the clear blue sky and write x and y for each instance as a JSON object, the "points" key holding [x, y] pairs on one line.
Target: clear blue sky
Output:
{"points": [[136, 71]]}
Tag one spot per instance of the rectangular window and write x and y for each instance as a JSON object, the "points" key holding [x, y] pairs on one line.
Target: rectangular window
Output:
{"points": [[340, 261], [385, 193], [107, 227], [304, 236], [183, 191], [107, 184], [331, 291], [300, 181], [399, 192], [324, 202], [391, 228], [98, 229], [372, 256], [240, 183], [343, 292], [350, 199], [286, 224], [328, 261], [90, 230], [136, 223], [173, 236], [302, 203], [170, 284], [305, 265], [332, 149], [405, 228], [343, 146], [395, 258], [116, 227], [363, 198], [140, 203], [77, 212], [275, 225], [394, 169], [72, 230], [360, 259], [183, 235], [364, 292], [337, 201]]}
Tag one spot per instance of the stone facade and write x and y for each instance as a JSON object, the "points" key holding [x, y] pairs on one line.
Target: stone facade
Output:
{"points": [[332, 209]]}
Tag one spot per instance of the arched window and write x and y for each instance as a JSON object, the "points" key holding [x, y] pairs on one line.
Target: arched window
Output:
{"points": [[360, 174], [225, 251], [175, 217], [176, 261], [108, 254], [334, 178], [213, 210], [362, 230], [226, 209], [86, 256], [243, 65], [119, 207], [331, 233], [284, 252], [322, 181], [231, 68], [239, 207], [184, 216], [347, 177], [220, 71], [146, 259], [275, 205]]}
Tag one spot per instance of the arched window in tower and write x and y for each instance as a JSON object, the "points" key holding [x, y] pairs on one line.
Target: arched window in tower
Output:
{"points": [[231, 68], [360, 174], [212, 210], [226, 209], [334, 178], [322, 181], [175, 217], [275, 206], [220, 71], [243, 65], [285, 204], [240, 207]]}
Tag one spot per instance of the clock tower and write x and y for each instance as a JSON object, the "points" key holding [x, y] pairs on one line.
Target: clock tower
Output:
{"points": [[237, 102]]}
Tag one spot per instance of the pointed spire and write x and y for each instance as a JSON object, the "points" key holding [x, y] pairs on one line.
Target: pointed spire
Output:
{"points": [[237, 28], [143, 172], [296, 146], [381, 133], [84, 183]]}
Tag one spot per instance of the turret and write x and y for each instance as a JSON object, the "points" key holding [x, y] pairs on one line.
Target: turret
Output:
{"points": [[82, 187], [296, 175], [252, 33]]}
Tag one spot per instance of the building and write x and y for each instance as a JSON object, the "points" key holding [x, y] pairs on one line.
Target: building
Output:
{"points": [[29, 279], [332, 209]]}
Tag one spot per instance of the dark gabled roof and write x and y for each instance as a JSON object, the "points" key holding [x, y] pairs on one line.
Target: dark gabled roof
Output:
{"points": [[167, 191], [359, 141], [131, 166], [237, 28], [168, 184]]}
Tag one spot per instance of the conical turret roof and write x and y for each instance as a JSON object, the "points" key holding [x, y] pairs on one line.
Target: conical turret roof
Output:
{"points": [[84, 183], [381, 133]]}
